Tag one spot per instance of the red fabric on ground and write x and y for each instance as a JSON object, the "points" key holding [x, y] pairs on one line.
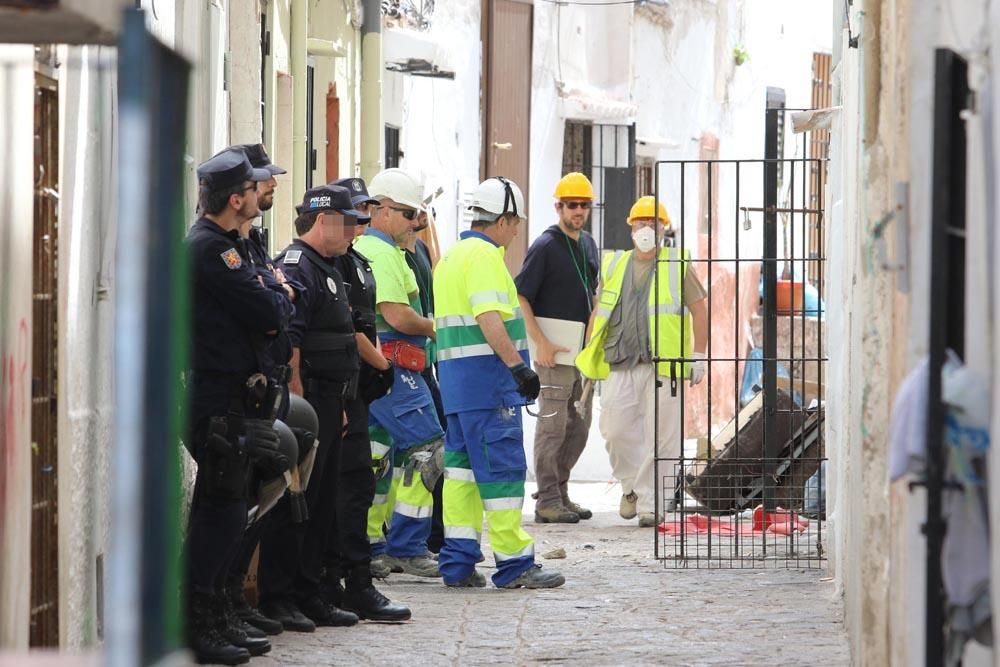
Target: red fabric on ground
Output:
{"points": [[780, 522]]}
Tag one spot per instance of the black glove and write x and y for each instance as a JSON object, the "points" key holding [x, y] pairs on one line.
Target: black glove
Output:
{"points": [[261, 443], [375, 383], [528, 384]]}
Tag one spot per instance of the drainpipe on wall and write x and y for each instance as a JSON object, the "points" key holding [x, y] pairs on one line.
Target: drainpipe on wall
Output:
{"points": [[371, 89], [298, 54]]}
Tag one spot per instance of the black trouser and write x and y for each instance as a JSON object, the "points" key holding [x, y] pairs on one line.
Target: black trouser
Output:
{"points": [[291, 555], [436, 539], [348, 552], [244, 554], [215, 529]]}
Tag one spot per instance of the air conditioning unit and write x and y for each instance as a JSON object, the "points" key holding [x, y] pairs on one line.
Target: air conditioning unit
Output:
{"points": [[61, 21]]}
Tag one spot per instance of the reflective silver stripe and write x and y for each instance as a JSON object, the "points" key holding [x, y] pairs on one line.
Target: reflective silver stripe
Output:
{"points": [[517, 313], [459, 474], [526, 551], [604, 312], [487, 296], [464, 351], [414, 511], [376, 540], [613, 263], [501, 504], [455, 321], [380, 499], [666, 309], [461, 533], [479, 350], [379, 450]]}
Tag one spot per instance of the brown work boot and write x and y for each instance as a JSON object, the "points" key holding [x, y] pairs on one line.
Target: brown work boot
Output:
{"points": [[583, 512], [556, 514]]}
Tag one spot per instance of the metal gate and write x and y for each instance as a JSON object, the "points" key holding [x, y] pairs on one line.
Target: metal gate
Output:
{"points": [[743, 484]]}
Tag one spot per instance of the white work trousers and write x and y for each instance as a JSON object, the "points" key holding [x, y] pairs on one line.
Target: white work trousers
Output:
{"points": [[627, 426]]}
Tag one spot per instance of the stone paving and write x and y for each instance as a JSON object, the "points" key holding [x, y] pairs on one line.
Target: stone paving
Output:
{"points": [[619, 606]]}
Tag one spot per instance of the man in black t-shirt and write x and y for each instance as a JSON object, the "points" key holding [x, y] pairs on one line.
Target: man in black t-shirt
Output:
{"points": [[559, 280]]}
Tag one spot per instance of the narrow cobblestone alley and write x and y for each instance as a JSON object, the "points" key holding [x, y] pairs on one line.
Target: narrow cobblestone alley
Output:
{"points": [[619, 606]]}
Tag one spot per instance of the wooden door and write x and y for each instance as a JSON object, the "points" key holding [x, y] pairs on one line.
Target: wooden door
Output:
{"points": [[507, 29]]}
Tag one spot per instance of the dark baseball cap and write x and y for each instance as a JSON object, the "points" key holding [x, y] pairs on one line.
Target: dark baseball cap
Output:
{"points": [[358, 190], [227, 168], [329, 198], [260, 159]]}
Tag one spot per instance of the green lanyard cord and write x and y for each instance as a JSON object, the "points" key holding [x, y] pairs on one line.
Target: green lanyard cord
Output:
{"points": [[579, 271]]}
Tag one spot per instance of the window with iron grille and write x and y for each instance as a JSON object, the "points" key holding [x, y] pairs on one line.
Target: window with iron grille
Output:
{"points": [[644, 184], [392, 152]]}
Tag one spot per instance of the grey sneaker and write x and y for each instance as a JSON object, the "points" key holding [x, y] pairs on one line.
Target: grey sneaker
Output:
{"points": [[647, 520], [535, 578], [474, 580], [378, 567], [556, 514], [626, 508], [582, 512], [418, 566]]}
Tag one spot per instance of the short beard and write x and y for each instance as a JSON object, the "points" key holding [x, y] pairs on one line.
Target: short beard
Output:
{"points": [[265, 205]]}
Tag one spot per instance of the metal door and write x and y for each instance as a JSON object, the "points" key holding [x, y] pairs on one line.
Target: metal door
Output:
{"points": [[507, 102], [742, 486], [44, 415]]}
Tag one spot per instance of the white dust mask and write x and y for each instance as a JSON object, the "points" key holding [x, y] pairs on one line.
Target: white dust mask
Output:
{"points": [[644, 238]]}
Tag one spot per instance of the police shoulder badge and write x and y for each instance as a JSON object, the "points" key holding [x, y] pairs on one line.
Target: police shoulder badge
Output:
{"points": [[332, 284], [232, 258], [292, 257], [361, 275]]}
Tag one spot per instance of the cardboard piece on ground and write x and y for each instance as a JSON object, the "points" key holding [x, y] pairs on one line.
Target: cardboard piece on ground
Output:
{"points": [[567, 333]]}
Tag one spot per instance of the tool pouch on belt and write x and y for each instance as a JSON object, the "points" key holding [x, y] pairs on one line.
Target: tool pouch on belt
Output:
{"points": [[224, 466], [428, 461], [331, 363], [405, 355]]}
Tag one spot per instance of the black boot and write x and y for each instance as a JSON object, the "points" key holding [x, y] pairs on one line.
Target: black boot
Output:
{"points": [[203, 637], [367, 602], [331, 590], [326, 615], [249, 614], [288, 614], [238, 632]]}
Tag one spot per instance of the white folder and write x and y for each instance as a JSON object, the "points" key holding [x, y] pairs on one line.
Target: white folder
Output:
{"points": [[566, 333]]}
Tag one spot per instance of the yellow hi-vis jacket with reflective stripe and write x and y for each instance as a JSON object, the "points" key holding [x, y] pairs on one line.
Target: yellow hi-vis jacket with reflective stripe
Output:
{"points": [[670, 331]]}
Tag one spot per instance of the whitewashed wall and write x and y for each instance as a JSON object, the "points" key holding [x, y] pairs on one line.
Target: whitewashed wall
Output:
{"points": [[17, 80]]}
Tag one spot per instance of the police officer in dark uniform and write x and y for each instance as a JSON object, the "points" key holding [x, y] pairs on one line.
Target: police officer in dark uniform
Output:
{"points": [[276, 352], [325, 370], [229, 431], [350, 555]]}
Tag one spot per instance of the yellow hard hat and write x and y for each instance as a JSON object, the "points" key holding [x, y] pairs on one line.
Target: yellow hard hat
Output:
{"points": [[574, 185], [644, 208]]}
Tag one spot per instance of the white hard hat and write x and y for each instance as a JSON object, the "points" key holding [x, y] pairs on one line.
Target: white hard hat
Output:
{"points": [[398, 185], [499, 196]]}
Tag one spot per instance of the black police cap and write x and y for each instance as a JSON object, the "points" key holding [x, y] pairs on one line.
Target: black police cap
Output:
{"points": [[228, 168], [358, 190], [329, 198], [259, 158]]}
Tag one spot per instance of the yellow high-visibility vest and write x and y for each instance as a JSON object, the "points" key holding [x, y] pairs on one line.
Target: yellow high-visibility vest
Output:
{"points": [[670, 330]]}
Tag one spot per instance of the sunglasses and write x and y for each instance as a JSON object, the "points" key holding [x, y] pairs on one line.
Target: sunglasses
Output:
{"points": [[573, 205], [408, 213]]}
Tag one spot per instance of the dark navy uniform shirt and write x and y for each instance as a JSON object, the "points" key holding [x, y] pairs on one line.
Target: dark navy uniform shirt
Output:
{"points": [[232, 310], [559, 275], [278, 348]]}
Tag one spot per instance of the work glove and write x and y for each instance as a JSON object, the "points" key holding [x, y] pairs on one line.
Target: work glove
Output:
{"points": [[698, 368], [528, 384], [261, 443], [375, 383]]}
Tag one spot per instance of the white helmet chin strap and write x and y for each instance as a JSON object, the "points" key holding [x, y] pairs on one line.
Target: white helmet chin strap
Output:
{"points": [[508, 197]]}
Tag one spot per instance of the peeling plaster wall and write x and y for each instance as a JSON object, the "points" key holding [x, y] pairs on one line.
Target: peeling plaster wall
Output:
{"points": [[878, 329], [17, 80], [88, 129]]}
